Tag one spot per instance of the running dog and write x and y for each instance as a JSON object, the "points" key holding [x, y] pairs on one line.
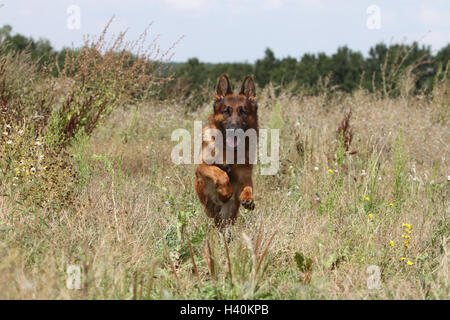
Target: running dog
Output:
{"points": [[223, 183]]}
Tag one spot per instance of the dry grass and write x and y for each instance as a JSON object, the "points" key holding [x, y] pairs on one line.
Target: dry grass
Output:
{"points": [[127, 226]]}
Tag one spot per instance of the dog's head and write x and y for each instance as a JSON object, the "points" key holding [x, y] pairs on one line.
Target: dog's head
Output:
{"points": [[235, 111]]}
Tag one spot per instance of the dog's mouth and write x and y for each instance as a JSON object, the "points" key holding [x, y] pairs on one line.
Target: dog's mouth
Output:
{"points": [[233, 141]]}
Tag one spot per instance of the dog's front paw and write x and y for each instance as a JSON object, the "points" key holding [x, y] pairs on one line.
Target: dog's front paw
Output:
{"points": [[246, 198], [248, 204]]}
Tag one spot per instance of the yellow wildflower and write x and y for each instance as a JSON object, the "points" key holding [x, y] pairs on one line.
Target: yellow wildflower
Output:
{"points": [[392, 243], [406, 225], [367, 198], [370, 216], [391, 204], [406, 236], [330, 170], [406, 242], [409, 263], [403, 258]]}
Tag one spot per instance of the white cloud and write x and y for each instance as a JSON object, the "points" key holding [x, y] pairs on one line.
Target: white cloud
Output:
{"points": [[432, 17], [238, 6], [233, 6], [311, 4], [187, 4], [272, 4]]}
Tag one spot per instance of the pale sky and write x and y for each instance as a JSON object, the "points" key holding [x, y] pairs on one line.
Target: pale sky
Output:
{"points": [[239, 30]]}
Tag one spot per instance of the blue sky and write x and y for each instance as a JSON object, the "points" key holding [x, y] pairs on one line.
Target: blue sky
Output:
{"points": [[238, 30]]}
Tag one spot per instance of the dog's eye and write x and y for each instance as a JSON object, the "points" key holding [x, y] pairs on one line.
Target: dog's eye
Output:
{"points": [[242, 111], [227, 110]]}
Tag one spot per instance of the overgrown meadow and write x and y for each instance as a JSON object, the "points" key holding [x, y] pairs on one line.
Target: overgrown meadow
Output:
{"points": [[87, 180]]}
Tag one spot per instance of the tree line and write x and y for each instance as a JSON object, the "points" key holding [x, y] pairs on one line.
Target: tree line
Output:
{"points": [[344, 70], [383, 69]]}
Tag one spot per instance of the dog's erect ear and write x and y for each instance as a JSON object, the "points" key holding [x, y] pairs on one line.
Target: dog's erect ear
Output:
{"points": [[248, 89], [223, 88]]}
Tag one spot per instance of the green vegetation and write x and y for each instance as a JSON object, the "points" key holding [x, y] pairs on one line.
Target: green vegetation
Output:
{"points": [[348, 70], [86, 179]]}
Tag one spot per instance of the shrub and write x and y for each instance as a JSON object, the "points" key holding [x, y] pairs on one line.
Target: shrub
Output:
{"points": [[101, 76], [40, 115]]}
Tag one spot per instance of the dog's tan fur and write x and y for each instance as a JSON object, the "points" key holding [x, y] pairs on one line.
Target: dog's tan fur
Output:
{"points": [[222, 188]]}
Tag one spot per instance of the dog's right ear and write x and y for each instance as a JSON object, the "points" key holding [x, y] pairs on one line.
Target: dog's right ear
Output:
{"points": [[223, 88]]}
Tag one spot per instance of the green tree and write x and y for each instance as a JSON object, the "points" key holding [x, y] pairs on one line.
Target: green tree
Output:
{"points": [[264, 68], [346, 68]]}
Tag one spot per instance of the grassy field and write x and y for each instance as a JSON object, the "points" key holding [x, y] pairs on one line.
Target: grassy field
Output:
{"points": [[133, 224]]}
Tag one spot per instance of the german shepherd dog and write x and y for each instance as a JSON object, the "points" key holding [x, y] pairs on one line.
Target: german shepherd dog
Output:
{"points": [[223, 187]]}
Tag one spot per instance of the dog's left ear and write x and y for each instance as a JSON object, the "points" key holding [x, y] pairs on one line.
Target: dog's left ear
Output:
{"points": [[248, 89]]}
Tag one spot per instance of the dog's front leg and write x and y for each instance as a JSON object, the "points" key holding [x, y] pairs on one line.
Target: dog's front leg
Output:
{"points": [[245, 184], [219, 178]]}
